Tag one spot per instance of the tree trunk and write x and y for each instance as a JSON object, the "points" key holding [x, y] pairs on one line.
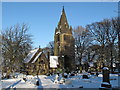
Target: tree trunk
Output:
{"points": [[111, 58], [118, 31]]}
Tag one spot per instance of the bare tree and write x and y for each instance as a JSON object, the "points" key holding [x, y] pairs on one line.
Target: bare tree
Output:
{"points": [[16, 42], [116, 26], [82, 41], [51, 47], [105, 35]]}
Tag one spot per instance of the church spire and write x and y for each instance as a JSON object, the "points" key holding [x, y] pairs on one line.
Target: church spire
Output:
{"points": [[63, 19], [63, 11]]}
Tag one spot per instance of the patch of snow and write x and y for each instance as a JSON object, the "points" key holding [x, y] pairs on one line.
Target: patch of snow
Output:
{"points": [[91, 64], [100, 75], [56, 81], [48, 81], [87, 80], [30, 55], [65, 74], [105, 68], [62, 81], [68, 82], [8, 82], [36, 57], [106, 83]]}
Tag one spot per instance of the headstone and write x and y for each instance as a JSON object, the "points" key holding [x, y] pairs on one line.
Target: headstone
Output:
{"points": [[106, 78], [85, 76], [25, 79], [89, 71], [92, 73], [60, 76], [7, 76], [37, 83], [80, 86], [65, 75], [68, 75], [72, 74], [97, 74], [48, 74]]}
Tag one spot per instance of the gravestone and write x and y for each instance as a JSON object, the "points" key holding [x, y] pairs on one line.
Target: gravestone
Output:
{"points": [[92, 73], [97, 74], [65, 75], [84, 76], [37, 83], [24, 79], [72, 74], [106, 78]]}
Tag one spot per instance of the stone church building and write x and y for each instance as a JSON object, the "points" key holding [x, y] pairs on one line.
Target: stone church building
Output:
{"points": [[64, 44], [36, 62]]}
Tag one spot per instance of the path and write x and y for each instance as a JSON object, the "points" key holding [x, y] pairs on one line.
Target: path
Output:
{"points": [[47, 83], [12, 86]]}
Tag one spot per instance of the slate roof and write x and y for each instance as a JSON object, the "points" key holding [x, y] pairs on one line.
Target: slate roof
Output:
{"points": [[36, 57], [30, 55]]}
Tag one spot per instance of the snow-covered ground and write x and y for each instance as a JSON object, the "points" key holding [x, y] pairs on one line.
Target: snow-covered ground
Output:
{"points": [[48, 82]]}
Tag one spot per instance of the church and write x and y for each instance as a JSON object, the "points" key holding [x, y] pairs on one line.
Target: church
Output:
{"points": [[64, 44], [37, 62]]}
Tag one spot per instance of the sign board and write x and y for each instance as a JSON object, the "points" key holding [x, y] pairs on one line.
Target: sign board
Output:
{"points": [[53, 61]]}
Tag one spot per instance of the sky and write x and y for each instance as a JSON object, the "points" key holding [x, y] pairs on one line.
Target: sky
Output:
{"points": [[43, 17]]}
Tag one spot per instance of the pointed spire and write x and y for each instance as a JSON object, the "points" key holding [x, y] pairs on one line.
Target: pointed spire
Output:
{"points": [[63, 11], [39, 46], [63, 19]]}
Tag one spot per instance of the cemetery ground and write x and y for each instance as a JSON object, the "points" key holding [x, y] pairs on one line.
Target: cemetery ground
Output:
{"points": [[73, 80]]}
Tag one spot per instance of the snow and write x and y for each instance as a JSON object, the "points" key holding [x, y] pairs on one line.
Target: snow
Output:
{"points": [[105, 68], [30, 55], [8, 82], [48, 81], [36, 57], [106, 83], [91, 64], [58, 32], [68, 82], [65, 74]]}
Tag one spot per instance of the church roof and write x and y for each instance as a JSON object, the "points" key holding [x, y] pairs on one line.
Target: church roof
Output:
{"points": [[36, 57], [30, 55]]}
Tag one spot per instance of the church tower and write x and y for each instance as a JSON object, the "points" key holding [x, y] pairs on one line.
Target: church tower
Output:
{"points": [[64, 44]]}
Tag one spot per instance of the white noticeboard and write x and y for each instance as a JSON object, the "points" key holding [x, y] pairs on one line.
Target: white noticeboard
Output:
{"points": [[53, 61]]}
